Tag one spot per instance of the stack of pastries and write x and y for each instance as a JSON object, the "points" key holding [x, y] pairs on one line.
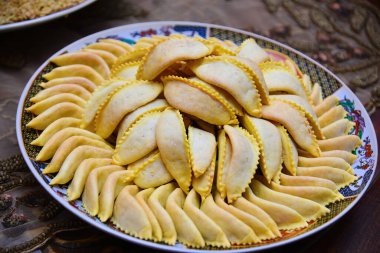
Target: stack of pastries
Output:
{"points": [[194, 140]]}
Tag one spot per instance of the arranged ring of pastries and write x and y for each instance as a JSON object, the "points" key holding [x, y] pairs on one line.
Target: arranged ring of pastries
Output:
{"points": [[193, 140]]}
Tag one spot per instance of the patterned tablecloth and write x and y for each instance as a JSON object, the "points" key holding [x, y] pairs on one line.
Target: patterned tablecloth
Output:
{"points": [[343, 35]]}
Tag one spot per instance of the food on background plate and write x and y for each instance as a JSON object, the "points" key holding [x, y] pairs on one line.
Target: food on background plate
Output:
{"points": [[193, 140], [20, 10]]}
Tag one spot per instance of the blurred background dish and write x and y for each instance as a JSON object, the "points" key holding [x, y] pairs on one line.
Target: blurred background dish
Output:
{"points": [[16, 14]]}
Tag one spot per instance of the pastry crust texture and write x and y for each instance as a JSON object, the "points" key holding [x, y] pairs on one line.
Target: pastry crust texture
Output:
{"points": [[195, 141]]}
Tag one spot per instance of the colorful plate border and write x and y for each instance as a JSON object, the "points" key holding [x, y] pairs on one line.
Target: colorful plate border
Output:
{"points": [[364, 167]]}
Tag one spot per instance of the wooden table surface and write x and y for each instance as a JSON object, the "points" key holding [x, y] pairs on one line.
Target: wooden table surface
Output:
{"points": [[22, 51]]}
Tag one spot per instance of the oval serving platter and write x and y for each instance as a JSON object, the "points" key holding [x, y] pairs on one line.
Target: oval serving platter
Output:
{"points": [[364, 166]]}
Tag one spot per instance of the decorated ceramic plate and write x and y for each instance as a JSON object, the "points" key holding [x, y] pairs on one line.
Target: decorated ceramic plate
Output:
{"points": [[43, 19], [170, 217]]}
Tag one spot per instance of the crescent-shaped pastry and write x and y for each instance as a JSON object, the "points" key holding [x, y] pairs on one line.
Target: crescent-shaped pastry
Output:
{"points": [[285, 217], [166, 52], [347, 156], [151, 172], [287, 180], [187, 232], [86, 58], [326, 105], [203, 184], [243, 163], [205, 103], [75, 189], [289, 151], [307, 83], [217, 47], [117, 42], [304, 106], [135, 55], [129, 216], [45, 104], [130, 119], [143, 162], [123, 100], [60, 136], [80, 81], [230, 44], [138, 141], [142, 198], [236, 231], [67, 170], [212, 234], [157, 203], [250, 50], [144, 43], [255, 211], [345, 142], [131, 95], [126, 70], [335, 162], [152, 39], [321, 195], [276, 177], [112, 186], [338, 128], [174, 147], [234, 77], [269, 141], [221, 42], [295, 122], [109, 58], [61, 110], [93, 186], [99, 98], [257, 77], [236, 107], [340, 177], [155, 38], [112, 48], [260, 231], [75, 70], [316, 95], [53, 128], [285, 61], [297, 100], [334, 114], [279, 78], [66, 148], [202, 150], [224, 158], [59, 89], [310, 210]]}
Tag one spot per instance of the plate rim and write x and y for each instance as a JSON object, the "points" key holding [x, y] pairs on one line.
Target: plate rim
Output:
{"points": [[43, 19], [150, 244]]}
